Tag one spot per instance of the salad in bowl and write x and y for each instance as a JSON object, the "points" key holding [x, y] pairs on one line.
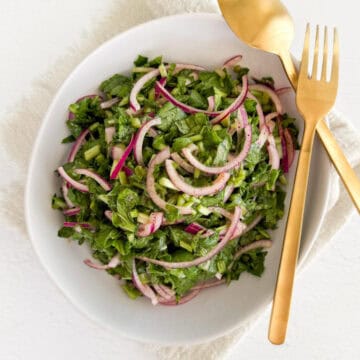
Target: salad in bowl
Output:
{"points": [[175, 175]]}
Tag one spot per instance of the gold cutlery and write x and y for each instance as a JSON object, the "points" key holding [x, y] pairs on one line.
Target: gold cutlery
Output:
{"points": [[314, 99], [267, 25]]}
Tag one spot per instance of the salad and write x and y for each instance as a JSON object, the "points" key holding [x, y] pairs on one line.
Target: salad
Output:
{"points": [[175, 176]]}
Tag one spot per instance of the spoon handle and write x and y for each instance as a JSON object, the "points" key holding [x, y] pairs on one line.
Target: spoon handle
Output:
{"points": [[342, 166]]}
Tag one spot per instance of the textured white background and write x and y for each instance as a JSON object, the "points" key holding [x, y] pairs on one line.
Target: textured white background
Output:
{"points": [[37, 322]]}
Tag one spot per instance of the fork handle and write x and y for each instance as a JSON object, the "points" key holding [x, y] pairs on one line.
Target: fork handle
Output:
{"points": [[289, 255], [344, 169]]}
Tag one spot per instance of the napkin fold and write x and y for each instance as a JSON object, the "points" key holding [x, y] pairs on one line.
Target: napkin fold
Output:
{"points": [[20, 126]]}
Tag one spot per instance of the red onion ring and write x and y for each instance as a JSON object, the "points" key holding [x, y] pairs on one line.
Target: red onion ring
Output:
{"points": [[211, 102], [109, 103], [150, 182], [108, 214], [234, 60], [209, 284], [117, 152], [215, 187], [122, 160], [214, 251], [180, 161], [274, 158], [183, 300], [272, 94], [140, 135], [155, 221], [75, 184], [289, 147], [254, 245], [71, 212], [109, 134], [100, 180], [134, 104], [236, 104], [72, 224], [285, 158], [283, 90], [165, 295], [77, 145], [65, 191], [113, 263], [143, 288], [234, 163]]}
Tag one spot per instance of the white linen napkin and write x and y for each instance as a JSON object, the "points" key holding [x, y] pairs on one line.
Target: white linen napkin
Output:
{"points": [[22, 123]]}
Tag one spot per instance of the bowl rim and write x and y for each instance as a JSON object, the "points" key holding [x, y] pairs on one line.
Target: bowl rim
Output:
{"points": [[93, 317]]}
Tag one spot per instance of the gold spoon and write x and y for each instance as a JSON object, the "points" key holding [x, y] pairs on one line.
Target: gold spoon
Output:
{"points": [[267, 25]]}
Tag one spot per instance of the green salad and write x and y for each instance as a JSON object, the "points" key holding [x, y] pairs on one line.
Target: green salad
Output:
{"points": [[175, 176]]}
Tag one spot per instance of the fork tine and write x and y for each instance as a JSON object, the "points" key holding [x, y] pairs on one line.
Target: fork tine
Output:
{"points": [[325, 55], [316, 54], [305, 55], [335, 60]]}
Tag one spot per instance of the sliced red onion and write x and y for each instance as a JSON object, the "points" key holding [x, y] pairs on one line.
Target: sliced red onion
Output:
{"points": [[165, 295], [176, 179], [180, 161], [231, 62], [143, 288], [252, 246], [214, 251], [140, 135], [236, 104], [155, 221], [75, 184], [221, 211], [263, 136], [259, 110], [92, 96], [283, 90], [162, 81], [253, 224], [71, 212], [91, 174], [122, 160], [229, 189], [234, 163], [211, 102], [113, 263], [270, 124], [117, 152], [77, 145], [109, 103], [285, 158], [72, 224], [209, 284], [108, 214], [128, 172], [183, 300], [194, 228], [274, 158], [272, 94], [65, 191], [134, 104], [150, 182], [289, 147], [184, 107], [109, 134]]}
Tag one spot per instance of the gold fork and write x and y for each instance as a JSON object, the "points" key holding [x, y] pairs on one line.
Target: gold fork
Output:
{"points": [[314, 100]]}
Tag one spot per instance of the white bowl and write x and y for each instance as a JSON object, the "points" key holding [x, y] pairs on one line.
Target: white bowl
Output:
{"points": [[202, 39]]}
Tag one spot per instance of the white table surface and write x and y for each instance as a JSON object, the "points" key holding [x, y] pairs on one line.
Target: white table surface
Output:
{"points": [[37, 322]]}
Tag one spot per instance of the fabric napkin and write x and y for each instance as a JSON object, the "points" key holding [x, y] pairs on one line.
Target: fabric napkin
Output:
{"points": [[22, 123]]}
